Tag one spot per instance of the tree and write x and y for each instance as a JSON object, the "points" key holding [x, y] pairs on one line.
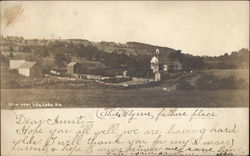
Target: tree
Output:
{"points": [[11, 51], [43, 52], [61, 59]]}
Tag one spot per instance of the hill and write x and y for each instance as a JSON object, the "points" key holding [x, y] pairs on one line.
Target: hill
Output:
{"points": [[133, 56]]}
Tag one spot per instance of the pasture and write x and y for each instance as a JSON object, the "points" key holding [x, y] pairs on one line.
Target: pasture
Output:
{"points": [[90, 94], [148, 97]]}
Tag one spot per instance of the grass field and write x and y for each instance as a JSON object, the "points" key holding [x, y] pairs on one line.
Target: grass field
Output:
{"points": [[149, 97], [90, 94]]}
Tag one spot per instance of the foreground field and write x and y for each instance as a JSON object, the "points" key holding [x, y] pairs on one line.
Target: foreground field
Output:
{"points": [[164, 94], [147, 97]]}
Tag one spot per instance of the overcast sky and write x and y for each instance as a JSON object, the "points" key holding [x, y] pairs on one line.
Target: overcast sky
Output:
{"points": [[195, 27]]}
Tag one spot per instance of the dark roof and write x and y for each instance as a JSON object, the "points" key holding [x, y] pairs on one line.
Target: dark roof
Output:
{"points": [[27, 57], [27, 65], [168, 61]]}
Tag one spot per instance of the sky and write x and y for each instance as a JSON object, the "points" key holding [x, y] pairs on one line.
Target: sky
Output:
{"points": [[197, 27]]}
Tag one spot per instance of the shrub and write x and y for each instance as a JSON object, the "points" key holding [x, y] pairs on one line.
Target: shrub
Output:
{"points": [[210, 82], [11, 84]]}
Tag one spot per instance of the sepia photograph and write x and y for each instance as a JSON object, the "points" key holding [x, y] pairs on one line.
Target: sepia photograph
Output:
{"points": [[124, 78], [125, 54]]}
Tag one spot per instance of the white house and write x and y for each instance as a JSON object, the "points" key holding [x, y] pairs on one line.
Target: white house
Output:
{"points": [[170, 64], [154, 64]]}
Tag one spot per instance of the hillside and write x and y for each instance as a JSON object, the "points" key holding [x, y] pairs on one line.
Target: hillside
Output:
{"points": [[229, 78], [133, 56]]}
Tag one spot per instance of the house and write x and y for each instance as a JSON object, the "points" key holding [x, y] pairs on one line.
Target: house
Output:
{"points": [[73, 67], [160, 65], [164, 63], [154, 64], [170, 64], [30, 69]]}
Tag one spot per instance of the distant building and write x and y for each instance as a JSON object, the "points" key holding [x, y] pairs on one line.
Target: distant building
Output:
{"points": [[15, 38], [26, 64], [154, 64], [159, 65], [15, 64], [170, 64], [73, 67], [30, 69], [164, 63]]}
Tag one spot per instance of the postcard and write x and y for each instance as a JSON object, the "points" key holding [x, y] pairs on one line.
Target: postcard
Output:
{"points": [[120, 78]]}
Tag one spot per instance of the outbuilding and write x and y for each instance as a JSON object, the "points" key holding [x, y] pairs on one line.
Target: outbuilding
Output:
{"points": [[73, 67], [30, 69]]}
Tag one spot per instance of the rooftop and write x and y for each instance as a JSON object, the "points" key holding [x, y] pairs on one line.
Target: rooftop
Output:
{"points": [[166, 60], [27, 64], [72, 63]]}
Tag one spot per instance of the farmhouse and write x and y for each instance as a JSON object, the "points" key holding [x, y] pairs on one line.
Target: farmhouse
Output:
{"points": [[30, 69], [170, 64], [159, 65], [164, 63], [154, 64], [73, 67]]}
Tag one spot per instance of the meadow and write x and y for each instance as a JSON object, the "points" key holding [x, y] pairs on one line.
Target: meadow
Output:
{"points": [[150, 97], [91, 94]]}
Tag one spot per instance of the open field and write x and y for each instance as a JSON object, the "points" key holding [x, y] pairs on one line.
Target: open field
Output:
{"points": [[147, 97], [91, 94]]}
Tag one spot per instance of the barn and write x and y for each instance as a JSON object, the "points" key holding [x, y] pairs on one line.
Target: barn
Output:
{"points": [[30, 69], [20, 58], [73, 67], [26, 64]]}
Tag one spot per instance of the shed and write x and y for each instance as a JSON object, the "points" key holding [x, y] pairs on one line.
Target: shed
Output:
{"points": [[73, 67]]}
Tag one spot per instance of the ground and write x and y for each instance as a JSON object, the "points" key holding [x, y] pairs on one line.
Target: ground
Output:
{"points": [[155, 97], [91, 94]]}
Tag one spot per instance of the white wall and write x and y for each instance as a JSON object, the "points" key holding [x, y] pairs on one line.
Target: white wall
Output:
{"points": [[24, 71]]}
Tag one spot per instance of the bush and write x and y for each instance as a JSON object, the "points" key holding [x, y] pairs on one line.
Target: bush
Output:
{"points": [[11, 84], [184, 85], [210, 82], [206, 82]]}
